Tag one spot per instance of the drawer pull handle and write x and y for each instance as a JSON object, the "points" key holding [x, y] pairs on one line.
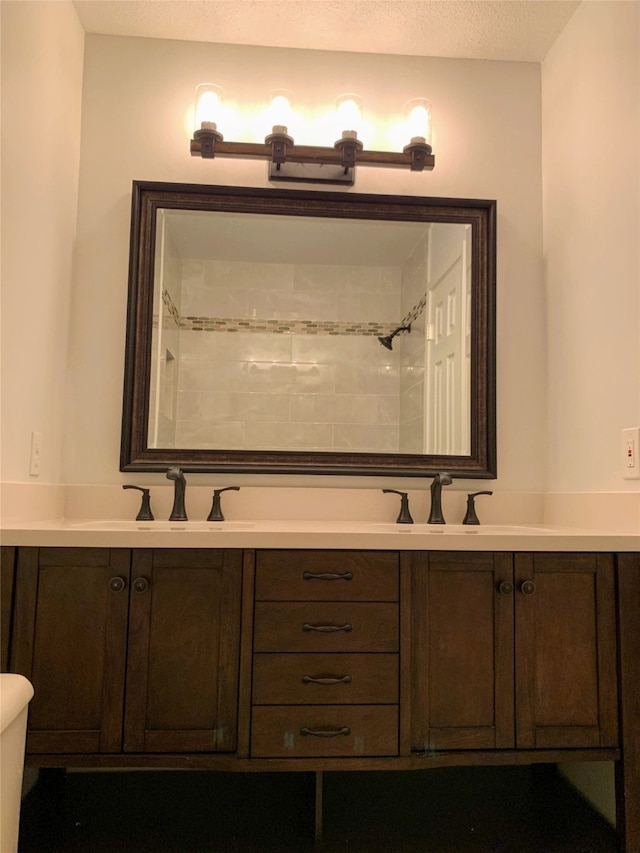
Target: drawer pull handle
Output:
{"points": [[327, 679], [345, 730], [527, 587], [327, 629], [327, 576]]}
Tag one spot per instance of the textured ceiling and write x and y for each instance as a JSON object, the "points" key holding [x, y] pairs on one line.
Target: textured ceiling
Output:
{"points": [[517, 30]]}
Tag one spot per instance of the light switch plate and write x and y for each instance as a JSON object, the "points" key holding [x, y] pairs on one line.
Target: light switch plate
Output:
{"points": [[631, 453], [36, 453]]}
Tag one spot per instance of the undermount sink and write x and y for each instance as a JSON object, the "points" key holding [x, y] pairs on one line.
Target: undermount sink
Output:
{"points": [[443, 529], [188, 526]]}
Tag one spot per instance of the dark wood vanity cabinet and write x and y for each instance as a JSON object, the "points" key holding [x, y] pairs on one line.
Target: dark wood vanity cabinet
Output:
{"points": [[513, 651], [128, 651], [327, 660]]}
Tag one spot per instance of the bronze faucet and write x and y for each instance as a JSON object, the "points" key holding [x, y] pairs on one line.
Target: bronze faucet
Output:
{"points": [[440, 480], [178, 513]]}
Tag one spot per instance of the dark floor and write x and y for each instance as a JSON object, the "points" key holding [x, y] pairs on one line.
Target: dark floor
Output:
{"points": [[453, 810]]}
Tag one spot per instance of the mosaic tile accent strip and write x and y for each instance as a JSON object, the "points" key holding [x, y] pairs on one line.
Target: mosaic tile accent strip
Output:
{"points": [[170, 306], [283, 327], [415, 312], [287, 327]]}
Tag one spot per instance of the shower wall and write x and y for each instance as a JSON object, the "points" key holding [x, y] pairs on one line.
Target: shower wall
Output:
{"points": [[286, 356]]}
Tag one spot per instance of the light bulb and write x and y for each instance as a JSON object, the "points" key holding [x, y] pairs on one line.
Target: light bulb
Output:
{"points": [[418, 120], [209, 100], [349, 113], [280, 110]]}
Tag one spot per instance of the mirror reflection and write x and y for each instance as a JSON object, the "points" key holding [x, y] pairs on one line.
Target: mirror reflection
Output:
{"points": [[289, 333]]}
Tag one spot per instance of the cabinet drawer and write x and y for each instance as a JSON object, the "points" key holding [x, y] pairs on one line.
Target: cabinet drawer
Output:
{"points": [[326, 576], [325, 678], [295, 731], [325, 627]]}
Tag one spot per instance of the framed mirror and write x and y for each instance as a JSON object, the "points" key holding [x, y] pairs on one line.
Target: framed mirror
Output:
{"points": [[287, 331]]}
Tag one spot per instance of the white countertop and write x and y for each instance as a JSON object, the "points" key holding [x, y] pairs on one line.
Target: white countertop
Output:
{"points": [[115, 533]]}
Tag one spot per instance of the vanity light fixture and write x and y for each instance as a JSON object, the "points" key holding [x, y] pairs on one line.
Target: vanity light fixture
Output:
{"points": [[311, 163]]}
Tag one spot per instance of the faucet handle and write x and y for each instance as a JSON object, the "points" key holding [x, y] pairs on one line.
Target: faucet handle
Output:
{"points": [[405, 515], [145, 513], [471, 517], [216, 508]]}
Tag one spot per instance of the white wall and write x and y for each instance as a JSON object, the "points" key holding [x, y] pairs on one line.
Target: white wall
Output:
{"points": [[42, 56], [137, 96], [591, 181], [591, 213]]}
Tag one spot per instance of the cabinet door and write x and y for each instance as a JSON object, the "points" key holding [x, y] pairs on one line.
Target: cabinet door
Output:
{"points": [[182, 664], [69, 640], [462, 651], [566, 693]]}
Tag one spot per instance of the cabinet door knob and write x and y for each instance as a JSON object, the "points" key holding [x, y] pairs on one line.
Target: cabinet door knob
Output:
{"points": [[141, 584], [327, 629], [326, 679], [506, 588], [527, 587], [117, 584], [345, 730], [327, 576]]}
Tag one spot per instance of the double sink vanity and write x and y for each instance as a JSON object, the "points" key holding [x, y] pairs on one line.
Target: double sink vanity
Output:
{"points": [[321, 646], [252, 645]]}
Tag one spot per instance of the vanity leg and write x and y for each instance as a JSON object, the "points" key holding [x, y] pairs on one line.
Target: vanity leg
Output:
{"points": [[318, 813], [628, 769]]}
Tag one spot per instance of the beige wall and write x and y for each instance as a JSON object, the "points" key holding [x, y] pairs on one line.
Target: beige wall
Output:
{"points": [[42, 56], [591, 164], [137, 93], [489, 143], [591, 183]]}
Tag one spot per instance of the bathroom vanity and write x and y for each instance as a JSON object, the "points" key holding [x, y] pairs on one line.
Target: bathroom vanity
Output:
{"points": [[405, 651]]}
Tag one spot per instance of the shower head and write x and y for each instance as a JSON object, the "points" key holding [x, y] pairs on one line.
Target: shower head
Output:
{"points": [[387, 340]]}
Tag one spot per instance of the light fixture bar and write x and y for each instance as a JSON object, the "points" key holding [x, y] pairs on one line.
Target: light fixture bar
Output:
{"points": [[313, 154], [310, 163]]}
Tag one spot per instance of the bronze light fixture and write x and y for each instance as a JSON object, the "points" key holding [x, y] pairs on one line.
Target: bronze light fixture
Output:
{"points": [[310, 163]]}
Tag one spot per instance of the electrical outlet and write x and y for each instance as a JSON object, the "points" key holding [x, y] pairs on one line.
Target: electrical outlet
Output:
{"points": [[631, 453], [36, 454]]}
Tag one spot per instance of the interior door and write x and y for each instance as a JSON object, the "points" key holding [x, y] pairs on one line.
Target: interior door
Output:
{"points": [[448, 335]]}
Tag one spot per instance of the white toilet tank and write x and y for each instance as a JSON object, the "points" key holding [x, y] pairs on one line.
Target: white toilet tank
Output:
{"points": [[15, 694]]}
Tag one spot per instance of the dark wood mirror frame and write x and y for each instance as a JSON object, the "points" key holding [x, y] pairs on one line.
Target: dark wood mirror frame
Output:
{"points": [[148, 198]]}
